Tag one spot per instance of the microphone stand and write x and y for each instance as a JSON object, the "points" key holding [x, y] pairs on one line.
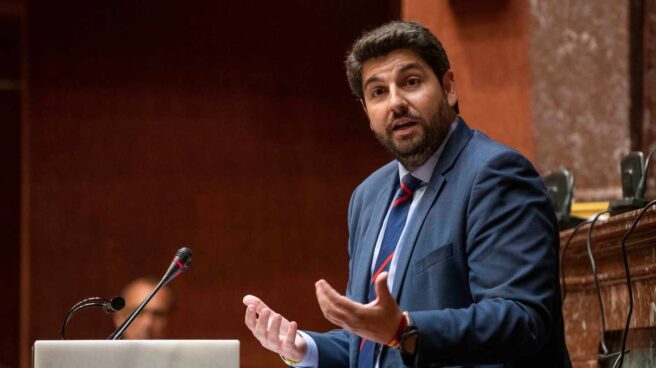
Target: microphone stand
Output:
{"points": [[116, 335], [108, 305], [180, 263]]}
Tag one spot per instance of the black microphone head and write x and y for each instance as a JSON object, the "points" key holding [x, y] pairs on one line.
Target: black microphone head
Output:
{"points": [[180, 263], [115, 304], [183, 255]]}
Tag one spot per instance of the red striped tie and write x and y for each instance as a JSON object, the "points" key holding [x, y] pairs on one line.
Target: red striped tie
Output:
{"points": [[395, 223]]}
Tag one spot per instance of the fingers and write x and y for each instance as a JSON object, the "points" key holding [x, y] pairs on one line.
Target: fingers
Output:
{"points": [[331, 297], [272, 330], [262, 325], [294, 345], [335, 307], [382, 290], [267, 330], [273, 335], [251, 318], [255, 302], [290, 338], [266, 327]]}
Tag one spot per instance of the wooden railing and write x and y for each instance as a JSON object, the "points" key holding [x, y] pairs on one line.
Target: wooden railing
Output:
{"points": [[583, 323]]}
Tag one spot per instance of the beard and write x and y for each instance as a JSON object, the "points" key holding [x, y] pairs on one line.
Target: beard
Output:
{"points": [[414, 151]]}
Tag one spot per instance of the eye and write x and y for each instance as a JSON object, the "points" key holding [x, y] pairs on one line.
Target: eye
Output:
{"points": [[412, 81], [375, 92]]}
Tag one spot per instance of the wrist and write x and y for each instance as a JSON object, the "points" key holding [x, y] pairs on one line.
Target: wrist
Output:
{"points": [[290, 362], [408, 344], [294, 358], [402, 326]]}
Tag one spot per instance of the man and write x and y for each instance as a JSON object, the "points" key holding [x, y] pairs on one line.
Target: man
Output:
{"points": [[152, 321], [453, 246]]}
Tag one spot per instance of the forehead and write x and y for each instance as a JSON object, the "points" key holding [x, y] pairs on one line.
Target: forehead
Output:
{"points": [[391, 63], [140, 291]]}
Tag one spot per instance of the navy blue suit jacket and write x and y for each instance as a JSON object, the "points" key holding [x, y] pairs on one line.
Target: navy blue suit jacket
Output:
{"points": [[478, 273]]}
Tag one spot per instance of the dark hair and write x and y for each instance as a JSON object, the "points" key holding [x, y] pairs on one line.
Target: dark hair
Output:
{"points": [[393, 36]]}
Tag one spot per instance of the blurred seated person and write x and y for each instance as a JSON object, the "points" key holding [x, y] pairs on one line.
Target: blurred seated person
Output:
{"points": [[152, 321]]}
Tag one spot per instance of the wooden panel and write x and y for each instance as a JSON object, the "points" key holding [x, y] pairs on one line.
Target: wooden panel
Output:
{"points": [[581, 308], [222, 126]]}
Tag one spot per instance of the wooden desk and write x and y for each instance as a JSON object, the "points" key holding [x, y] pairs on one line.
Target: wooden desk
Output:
{"points": [[581, 307]]}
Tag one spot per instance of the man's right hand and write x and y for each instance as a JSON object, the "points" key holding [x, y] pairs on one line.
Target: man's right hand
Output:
{"points": [[273, 331]]}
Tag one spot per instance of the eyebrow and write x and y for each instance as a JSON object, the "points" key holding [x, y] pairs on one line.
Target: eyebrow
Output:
{"points": [[409, 66], [402, 69], [372, 79]]}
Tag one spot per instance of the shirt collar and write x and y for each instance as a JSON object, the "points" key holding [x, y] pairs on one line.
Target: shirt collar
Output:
{"points": [[425, 171]]}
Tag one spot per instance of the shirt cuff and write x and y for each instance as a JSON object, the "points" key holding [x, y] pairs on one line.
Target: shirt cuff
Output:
{"points": [[311, 358]]}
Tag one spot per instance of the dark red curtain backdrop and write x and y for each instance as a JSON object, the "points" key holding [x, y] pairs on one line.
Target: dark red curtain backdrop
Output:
{"points": [[9, 185], [224, 126]]}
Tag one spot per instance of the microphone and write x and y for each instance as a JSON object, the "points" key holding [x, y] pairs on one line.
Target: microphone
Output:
{"points": [[633, 170], [560, 184], [113, 305], [180, 263], [108, 305]]}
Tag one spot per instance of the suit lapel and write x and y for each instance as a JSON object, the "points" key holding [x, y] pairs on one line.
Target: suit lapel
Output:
{"points": [[458, 140], [368, 242], [412, 231]]}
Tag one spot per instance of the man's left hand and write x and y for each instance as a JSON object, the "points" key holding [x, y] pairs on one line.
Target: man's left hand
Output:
{"points": [[376, 321]]}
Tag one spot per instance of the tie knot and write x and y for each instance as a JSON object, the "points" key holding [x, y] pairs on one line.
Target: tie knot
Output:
{"points": [[410, 183]]}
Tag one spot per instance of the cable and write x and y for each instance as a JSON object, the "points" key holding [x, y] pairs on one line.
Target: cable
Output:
{"points": [[595, 276], [86, 303], [642, 186], [108, 305], [620, 359], [562, 257]]}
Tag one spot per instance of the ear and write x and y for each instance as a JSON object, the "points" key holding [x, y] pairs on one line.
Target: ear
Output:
{"points": [[449, 86]]}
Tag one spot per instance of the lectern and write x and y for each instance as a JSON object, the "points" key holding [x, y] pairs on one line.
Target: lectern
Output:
{"points": [[582, 309], [136, 354]]}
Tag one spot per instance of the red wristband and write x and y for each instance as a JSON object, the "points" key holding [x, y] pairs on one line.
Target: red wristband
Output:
{"points": [[396, 339]]}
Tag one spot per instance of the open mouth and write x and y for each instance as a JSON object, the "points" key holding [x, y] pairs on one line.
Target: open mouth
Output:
{"points": [[403, 125]]}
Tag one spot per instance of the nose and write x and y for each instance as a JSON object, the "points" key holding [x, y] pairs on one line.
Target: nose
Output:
{"points": [[397, 102]]}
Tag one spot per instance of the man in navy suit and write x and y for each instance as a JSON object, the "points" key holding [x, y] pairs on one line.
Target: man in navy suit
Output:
{"points": [[453, 246]]}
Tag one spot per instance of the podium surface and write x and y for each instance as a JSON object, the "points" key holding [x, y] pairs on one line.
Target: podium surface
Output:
{"points": [[136, 353]]}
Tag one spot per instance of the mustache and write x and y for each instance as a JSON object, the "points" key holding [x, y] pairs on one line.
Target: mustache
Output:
{"points": [[402, 115]]}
